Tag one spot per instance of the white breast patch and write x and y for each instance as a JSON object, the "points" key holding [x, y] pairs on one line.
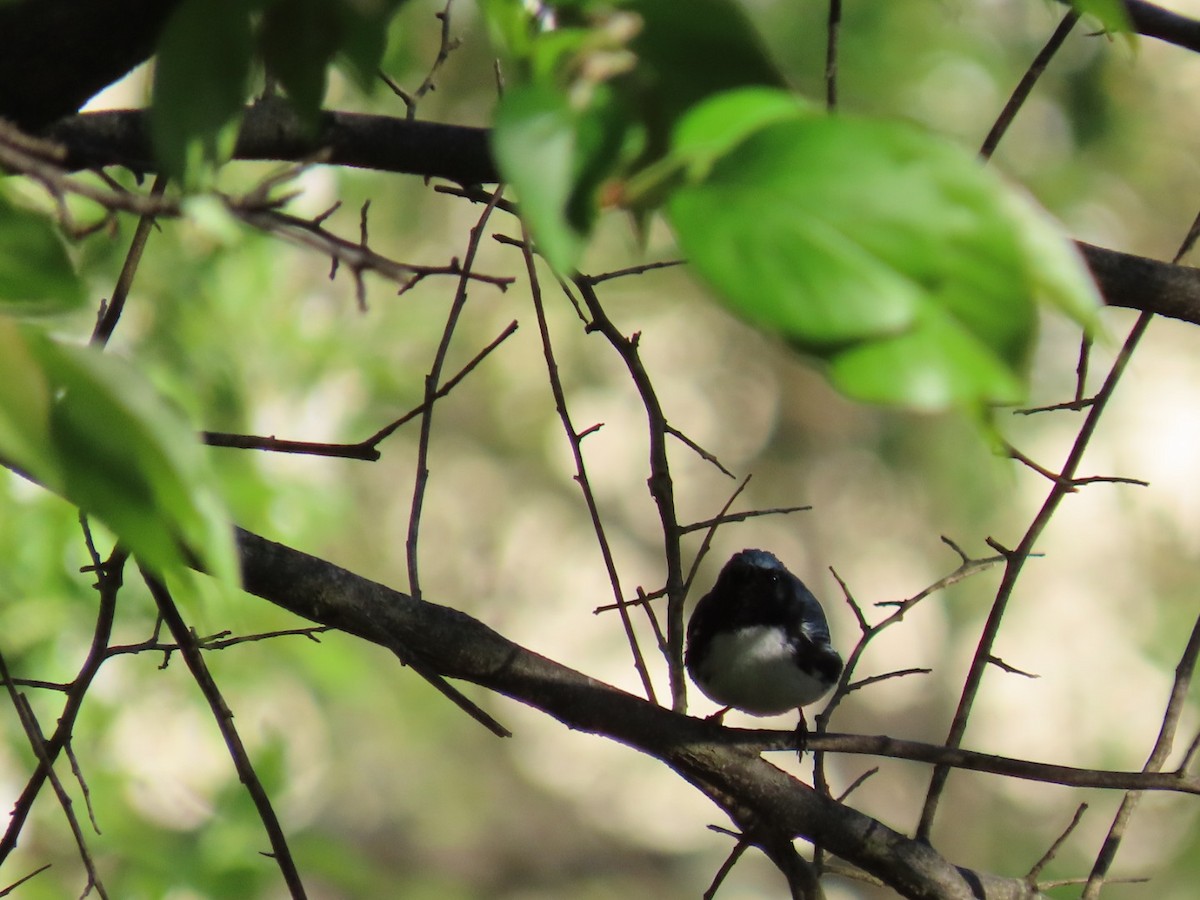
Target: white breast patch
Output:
{"points": [[753, 669]]}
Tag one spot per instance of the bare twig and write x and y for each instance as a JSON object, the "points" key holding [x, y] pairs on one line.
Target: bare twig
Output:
{"points": [[109, 584], [1184, 672], [1028, 80], [727, 517], [367, 449], [37, 741], [110, 314], [431, 389], [189, 648], [660, 483], [24, 878], [833, 26], [1049, 855], [446, 46], [574, 438]]}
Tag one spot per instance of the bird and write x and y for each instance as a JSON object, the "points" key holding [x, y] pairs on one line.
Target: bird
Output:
{"points": [[759, 641]]}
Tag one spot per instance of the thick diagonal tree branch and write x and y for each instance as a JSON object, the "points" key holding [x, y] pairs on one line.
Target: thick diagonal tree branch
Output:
{"points": [[735, 776]]}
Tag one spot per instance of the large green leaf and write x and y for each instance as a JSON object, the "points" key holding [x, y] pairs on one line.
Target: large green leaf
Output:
{"points": [[297, 39], [889, 252], [200, 84], [90, 429], [555, 155], [36, 274], [1113, 15], [935, 364], [688, 52], [363, 37]]}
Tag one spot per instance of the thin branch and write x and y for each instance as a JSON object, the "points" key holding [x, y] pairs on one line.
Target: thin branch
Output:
{"points": [[727, 517], [37, 741], [875, 679], [1154, 764], [1028, 80], [833, 24], [739, 848], [857, 783], [1015, 565], [432, 380], [1052, 852], [697, 449], [446, 46], [24, 878], [189, 648], [640, 269], [574, 439], [109, 584], [110, 314], [660, 483], [367, 449], [784, 741]]}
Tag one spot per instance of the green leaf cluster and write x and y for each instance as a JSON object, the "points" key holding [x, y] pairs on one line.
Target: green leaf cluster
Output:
{"points": [[90, 429], [896, 257], [37, 275], [210, 49], [890, 255]]}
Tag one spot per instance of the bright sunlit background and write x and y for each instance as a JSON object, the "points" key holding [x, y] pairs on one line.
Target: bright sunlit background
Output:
{"points": [[387, 790]]}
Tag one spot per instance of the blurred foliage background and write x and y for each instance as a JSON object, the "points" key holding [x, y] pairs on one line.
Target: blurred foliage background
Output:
{"points": [[388, 791]]}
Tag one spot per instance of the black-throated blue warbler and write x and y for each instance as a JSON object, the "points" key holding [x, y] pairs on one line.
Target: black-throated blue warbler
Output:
{"points": [[759, 640]]}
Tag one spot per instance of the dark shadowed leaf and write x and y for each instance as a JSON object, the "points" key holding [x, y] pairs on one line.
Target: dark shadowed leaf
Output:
{"points": [[90, 429], [297, 39], [200, 84], [36, 274]]}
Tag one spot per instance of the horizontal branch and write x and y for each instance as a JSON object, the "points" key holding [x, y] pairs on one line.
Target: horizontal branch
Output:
{"points": [[458, 646], [936, 754], [1162, 24], [270, 131], [461, 154]]}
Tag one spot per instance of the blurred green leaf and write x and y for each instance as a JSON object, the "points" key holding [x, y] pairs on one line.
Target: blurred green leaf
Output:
{"points": [[512, 30], [297, 39], [89, 428], [363, 37], [893, 254], [556, 156], [713, 128], [938, 363], [36, 274], [1113, 15], [25, 399], [200, 83], [690, 51]]}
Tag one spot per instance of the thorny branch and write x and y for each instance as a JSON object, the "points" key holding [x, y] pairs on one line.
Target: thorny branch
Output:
{"points": [[575, 440]]}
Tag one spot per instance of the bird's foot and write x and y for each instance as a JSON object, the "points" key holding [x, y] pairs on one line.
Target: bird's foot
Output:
{"points": [[801, 736], [718, 716]]}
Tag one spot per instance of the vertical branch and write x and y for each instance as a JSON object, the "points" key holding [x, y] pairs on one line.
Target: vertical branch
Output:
{"points": [[575, 439], [1158, 758], [1062, 485], [662, 486], [832, 30], [1014, 565], [431, 391], [37, 741], [109, 583], [189, 648]]}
